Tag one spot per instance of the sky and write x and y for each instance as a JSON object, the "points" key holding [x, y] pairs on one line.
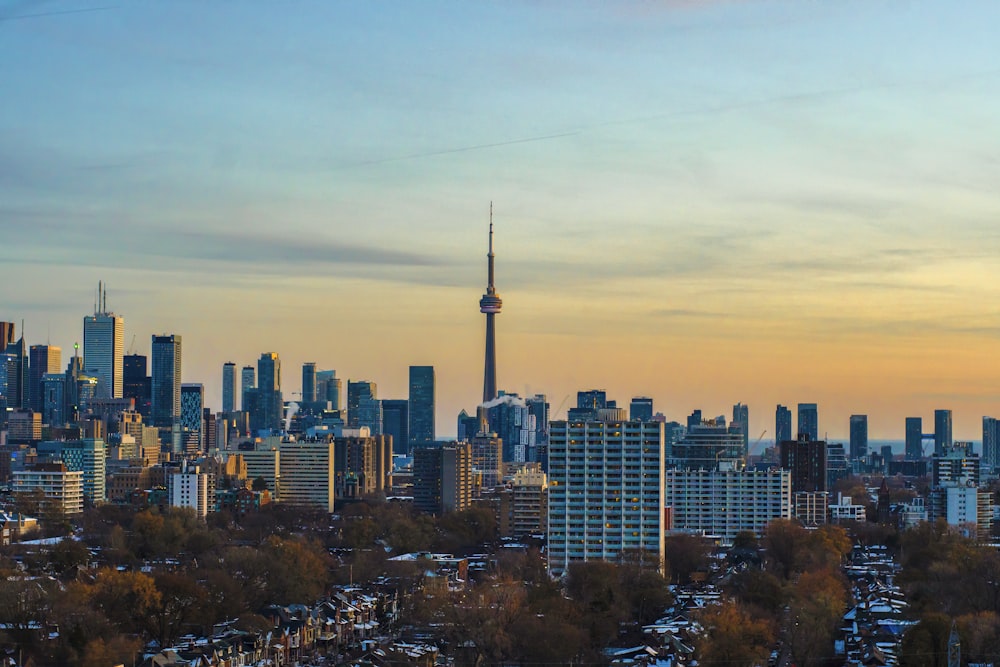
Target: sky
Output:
{"points": [[705, 202]]}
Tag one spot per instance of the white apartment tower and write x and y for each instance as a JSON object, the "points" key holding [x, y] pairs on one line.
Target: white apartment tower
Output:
{"points": [[606, 492]]}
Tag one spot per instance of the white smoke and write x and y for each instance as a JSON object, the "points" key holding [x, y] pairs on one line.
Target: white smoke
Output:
{"points": [[289, 413], [509, 399]]}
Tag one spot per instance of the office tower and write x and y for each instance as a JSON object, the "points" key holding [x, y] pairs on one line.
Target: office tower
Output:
{"points": [[806, 459], [588, 403], [991, 443], [358, 390], [837, 465], [442, 477], [270, 406], [640, 409], [710, 445], [396, 423], [741, 418], [104, 349], [370, 415], [192, 417], [165, 409], [24, 426], [469, 426], [16, 358], [538, 410], [228, 387], [782, 424], [6, 334], [42, 359], [136, 383], [859, 437], [422, 404], [490, 305], [808, 423], [53, 392], [694, 419], [309, 382], [942, 432], [509, 417], [914, 438], [599, 512], [248, 382]]}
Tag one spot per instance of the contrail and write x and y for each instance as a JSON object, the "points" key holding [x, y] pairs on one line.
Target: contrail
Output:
{"points": [[55, 13]]}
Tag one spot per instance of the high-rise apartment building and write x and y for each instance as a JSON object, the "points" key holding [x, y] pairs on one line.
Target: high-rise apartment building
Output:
{"points": [[422, 405], [708, 445], [192, 417], [806, 459], [442, 477], [991, 443], [914, 438], [42, 359], [782, 424], [228, 387], [309, 382], [270, 405], [104, 349], [6, 334], [606, 491], [741, 419], [808, 423], [329, 388], [166, 381], [859, 437], [942, 432], [307, 473], [248, 382]]}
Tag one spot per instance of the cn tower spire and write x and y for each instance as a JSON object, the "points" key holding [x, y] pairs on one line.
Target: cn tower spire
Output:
{"points": [[490, 305]]}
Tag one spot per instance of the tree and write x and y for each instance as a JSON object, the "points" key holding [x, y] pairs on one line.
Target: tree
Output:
{"points": [[182, 602], [685, 555], [67, 555], [926, 644], [733, 637], [817, 606], [126, 598]]}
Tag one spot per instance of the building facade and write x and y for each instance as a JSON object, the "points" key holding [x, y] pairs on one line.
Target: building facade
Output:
{"points": [[228, 387], [606, 491], [859, 437], [422, 395], [166, 381]]}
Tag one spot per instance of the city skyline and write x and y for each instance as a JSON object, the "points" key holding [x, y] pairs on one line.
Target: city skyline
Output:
{"points": [[703, 203]]}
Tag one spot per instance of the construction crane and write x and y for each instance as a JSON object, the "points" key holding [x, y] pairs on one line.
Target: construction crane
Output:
{"points": [[131, 346], [756, 442]]}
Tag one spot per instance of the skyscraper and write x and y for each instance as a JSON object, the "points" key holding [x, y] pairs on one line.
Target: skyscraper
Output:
{"points": [[914, 438], [309, 382], [16, 359], [806, 459], [357, 391], [859, 437], [421, 405], [808, 421], [396, 423], [43, 359], [248, 381], [6, 334], [228, 387], [136, 383], [640, 409], [269, 400], [490, 305], [192, 417], [942, 432], [782, 424], [741, 418], [329, 388], [166, 384], [104, 347], [991, 442]]}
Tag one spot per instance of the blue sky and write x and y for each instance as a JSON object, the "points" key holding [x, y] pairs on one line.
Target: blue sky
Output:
{"points": [[706, 202]]}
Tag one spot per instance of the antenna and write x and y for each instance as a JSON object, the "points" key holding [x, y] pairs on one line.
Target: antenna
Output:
{"points": [[491, 227]]}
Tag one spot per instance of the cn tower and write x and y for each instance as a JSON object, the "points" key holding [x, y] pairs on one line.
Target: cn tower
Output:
{"points": [[490, 305]]}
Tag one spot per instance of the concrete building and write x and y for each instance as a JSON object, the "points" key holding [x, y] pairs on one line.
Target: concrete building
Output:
{"points": [[307, 473], [24, 426], [723, 503], [806, 460], [606, 491], [708, 444], [529, 504], [487, 458], [264, 464], [62, 488], [442, 477], [192, 488]]}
